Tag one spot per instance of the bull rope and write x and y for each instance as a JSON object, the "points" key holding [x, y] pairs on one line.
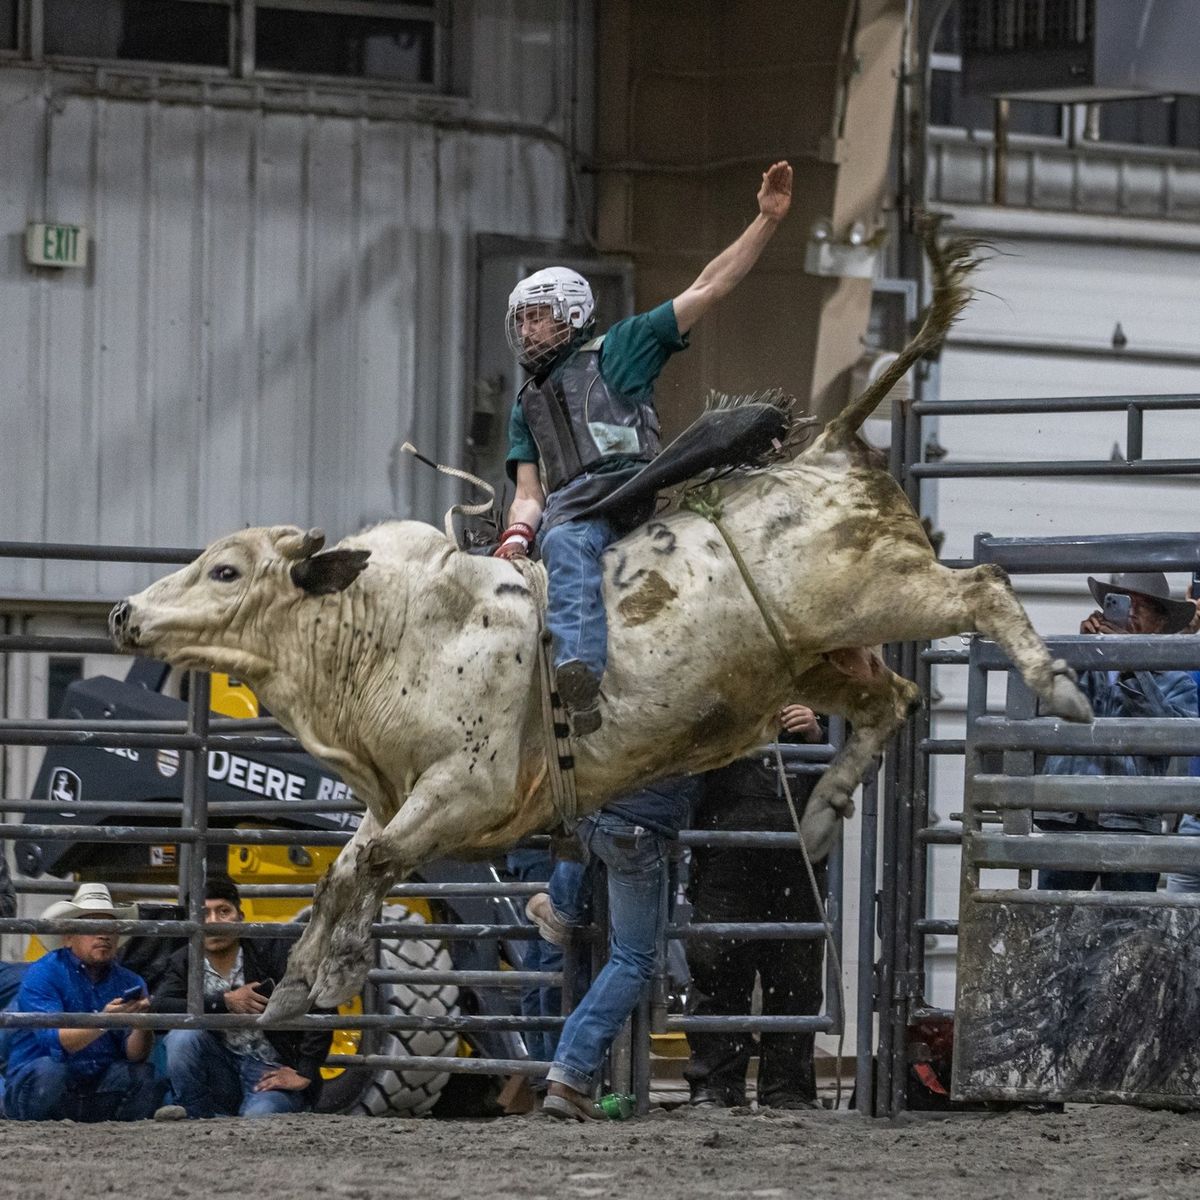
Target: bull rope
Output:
{"points": [[560, 755], [467, 510], [706, 502]]}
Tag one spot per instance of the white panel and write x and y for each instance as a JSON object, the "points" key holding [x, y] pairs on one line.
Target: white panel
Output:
{"points": [[283, 281], [1076, 292], [277, 301], [69, 354], [1043, 507], [180, 419], [229, 361], [123, 295], [22, 318]]}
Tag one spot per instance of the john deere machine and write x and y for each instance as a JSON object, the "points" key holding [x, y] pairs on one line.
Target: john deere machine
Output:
{"points": [[71, 774]]}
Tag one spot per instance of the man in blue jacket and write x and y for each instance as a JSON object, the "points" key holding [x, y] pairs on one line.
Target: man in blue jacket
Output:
{"points": [[1123, 694], [82, 1074], [584, 423]]}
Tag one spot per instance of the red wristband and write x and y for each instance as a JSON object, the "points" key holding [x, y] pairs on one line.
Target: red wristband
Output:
{"points": [[518, 529]]}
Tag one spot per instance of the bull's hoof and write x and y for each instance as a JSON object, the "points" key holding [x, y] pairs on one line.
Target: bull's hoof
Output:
{"points": [[1065, 699], [291, 998], [341, 977], [818, 828]]}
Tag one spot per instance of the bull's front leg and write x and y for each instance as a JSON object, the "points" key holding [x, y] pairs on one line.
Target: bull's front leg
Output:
{"points": [[447, 811], [293, 993]]}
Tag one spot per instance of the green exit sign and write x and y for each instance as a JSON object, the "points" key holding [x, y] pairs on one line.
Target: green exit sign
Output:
{"points": [[56, 245]]}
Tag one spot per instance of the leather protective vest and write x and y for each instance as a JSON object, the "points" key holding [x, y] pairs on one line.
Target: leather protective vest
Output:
{"points": [[578, 423]]}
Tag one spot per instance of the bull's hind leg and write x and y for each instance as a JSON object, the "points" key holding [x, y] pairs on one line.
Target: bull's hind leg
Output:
{"points": [[982, 599], [875, 701], [293, 993]]}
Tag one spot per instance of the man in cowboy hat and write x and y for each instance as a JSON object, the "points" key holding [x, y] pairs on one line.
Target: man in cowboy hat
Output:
{"points": [[1150, 609], [82, 1074]]}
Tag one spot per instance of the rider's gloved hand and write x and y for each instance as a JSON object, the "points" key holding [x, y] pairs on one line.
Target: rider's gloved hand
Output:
{"points": [[515, 541]]}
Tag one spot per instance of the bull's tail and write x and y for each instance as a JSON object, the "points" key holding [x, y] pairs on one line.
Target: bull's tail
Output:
{"points": [[953, 259]]}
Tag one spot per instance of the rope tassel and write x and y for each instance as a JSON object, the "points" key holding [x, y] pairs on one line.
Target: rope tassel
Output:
{"points": [[467, 510]]}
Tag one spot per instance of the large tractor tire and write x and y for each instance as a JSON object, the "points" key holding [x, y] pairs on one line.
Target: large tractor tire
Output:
{"points": [[380, 1093]]}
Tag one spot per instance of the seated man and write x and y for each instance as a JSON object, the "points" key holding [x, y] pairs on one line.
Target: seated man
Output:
{"points": [[237, 1072], [737, 883], [82, 1074], [630, 837]]}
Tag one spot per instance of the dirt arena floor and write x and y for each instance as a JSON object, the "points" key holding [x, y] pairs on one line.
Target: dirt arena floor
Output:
{"points": [[1109, 1153]]}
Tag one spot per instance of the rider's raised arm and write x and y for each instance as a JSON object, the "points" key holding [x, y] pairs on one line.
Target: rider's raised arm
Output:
{"points": [[728, 269]]}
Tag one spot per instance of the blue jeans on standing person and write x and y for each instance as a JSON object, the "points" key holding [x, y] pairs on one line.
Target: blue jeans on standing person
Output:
{"points": [[535, 866], [210, 1080], [45, 1089], [1056, 880], [636, 859], [1187, 881], [575, 613]]}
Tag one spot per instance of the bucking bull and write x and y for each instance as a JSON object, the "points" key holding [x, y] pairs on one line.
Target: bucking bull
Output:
{"points": [[417, 678]]}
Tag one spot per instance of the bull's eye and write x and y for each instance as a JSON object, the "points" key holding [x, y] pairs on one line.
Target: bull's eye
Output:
{"points": [[224, 573]]}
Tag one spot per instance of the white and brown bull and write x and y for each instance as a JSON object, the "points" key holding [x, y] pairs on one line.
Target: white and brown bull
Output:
{"points": [[417, 679]]}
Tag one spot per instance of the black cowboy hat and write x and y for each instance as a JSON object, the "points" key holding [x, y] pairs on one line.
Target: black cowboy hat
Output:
{"points": [[1152, 585]]}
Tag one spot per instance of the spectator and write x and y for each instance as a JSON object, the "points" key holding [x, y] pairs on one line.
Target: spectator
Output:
{"points": [[732, 883], [11, 973], [82, 1074], [247, 1072], [1189, 823], [534, 865], [1123, 694], [630, 837]]}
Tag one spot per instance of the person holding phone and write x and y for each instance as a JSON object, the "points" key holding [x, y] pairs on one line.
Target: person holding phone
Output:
{"points": [[1135, 602], [248, 1072], [82, 1074], [1189, 823]]}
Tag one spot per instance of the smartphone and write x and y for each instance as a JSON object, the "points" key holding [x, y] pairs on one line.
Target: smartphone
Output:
{"points": [[265, 987], [1117, 610], [1194, 590], [134, 993]]}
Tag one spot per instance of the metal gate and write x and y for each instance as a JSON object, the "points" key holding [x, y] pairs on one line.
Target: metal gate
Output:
{"points": [[186, 824], [908, 836]]}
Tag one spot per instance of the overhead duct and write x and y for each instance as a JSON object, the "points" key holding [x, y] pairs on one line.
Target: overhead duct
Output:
{"points": [[1078, 51]]}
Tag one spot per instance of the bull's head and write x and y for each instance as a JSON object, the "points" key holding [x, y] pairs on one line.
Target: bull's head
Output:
{"points": [[217, 612]]}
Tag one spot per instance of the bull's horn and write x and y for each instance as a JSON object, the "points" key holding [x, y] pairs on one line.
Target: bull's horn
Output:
{"points": [[295, 543]]}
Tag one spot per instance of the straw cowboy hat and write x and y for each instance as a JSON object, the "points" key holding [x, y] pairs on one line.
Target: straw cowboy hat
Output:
{"points": [[1153, 585], [90, 899]]}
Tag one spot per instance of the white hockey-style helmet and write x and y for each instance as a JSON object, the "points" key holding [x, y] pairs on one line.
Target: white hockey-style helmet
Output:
{"points": [[569, 298]]}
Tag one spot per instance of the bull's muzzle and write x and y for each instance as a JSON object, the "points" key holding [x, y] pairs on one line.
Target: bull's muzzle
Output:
{"points": [[120, 627]]}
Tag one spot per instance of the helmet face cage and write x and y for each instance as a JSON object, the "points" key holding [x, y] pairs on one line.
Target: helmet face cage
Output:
{"points": [[566, 294]]}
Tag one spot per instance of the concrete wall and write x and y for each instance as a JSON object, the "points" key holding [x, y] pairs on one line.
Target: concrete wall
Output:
{"points": [[695, 100]]}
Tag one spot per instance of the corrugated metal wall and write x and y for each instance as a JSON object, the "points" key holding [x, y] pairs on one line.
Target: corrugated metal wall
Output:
{"points": [[275, 302]]}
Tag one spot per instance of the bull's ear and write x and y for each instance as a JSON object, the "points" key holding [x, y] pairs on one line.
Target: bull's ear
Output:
{"points": [[333, 571], [295, 543]]}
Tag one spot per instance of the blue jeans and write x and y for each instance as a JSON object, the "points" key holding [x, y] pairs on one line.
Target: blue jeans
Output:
{"points": [[534, 866], [1055, 880], [46, 1090], [636, 860], [211, 1080], [575, 601], [1186, 881]]}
